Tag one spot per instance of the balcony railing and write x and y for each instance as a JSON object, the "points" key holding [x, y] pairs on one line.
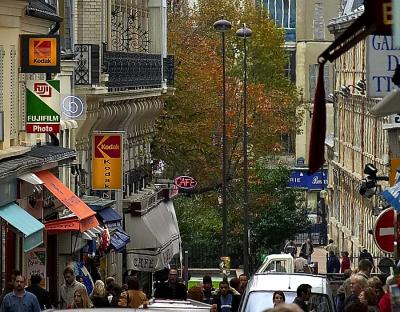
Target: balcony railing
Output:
{"points": [[132, 70], [126, 70], [87, 70]]}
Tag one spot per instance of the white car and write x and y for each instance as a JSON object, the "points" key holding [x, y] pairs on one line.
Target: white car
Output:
{"points": [[260, 289]]}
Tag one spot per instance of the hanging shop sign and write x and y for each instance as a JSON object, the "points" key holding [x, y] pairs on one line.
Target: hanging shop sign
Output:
{"points": [[43, 106], [384, 15], [107, 168], [382, 60], [40, 53], [185, 182], [36, 264]]}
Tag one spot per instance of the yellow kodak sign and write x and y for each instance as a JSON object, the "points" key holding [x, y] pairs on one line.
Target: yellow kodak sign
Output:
{"points": [[107, 161]]}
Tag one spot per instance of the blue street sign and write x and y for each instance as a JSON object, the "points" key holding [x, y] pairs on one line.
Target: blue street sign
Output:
{"points": [[317, 181]]}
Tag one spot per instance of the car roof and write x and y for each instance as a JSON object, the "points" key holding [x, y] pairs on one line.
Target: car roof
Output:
{"points": [[287, 282], [279, 256]]}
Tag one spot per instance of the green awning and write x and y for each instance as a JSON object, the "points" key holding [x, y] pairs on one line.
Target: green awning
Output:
{"points": [[29, 226]]}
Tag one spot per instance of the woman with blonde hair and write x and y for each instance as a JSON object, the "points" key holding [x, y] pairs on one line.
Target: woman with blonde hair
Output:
{"points": [[133, 297], [81, 299], [99, 295]]}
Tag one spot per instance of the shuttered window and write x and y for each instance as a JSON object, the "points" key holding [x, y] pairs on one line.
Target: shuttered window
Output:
{"points": [[313, 76]]}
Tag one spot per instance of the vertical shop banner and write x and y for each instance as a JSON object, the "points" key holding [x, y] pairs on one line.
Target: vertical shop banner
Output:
{"points": [[36, 264], [43, 106], [107, 168]]}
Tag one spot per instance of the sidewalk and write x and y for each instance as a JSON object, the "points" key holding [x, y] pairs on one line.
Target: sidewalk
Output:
{"points": [[319, 255]]}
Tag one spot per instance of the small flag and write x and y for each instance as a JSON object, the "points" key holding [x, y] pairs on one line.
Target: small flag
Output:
{"points": [[316, 155]]}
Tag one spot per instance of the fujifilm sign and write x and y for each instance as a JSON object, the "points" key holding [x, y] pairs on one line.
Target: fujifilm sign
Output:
{"points": [[382, 60]]}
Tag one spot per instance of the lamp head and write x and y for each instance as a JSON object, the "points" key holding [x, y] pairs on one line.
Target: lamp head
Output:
{"points": [[344, 91], [222, 25], [361, 86], [370, 170], [244, 32]]}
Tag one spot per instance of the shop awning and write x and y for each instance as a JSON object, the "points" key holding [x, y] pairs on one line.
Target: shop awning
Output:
{"points": [[119, 239], [31, 178], [109, 215], [157, 238], [29, 226], [85, 215]]}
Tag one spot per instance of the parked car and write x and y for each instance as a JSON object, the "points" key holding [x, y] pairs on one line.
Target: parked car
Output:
{"points": [[260, 289]]}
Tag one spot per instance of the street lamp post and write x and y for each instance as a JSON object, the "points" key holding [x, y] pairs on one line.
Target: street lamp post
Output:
{"points": [[244, 33], [222, 26]]}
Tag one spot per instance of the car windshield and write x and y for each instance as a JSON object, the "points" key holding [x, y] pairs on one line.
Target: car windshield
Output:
{"points": [[261, 300]]}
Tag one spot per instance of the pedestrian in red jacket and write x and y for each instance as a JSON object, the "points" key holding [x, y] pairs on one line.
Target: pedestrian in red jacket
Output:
{"points": [[345, 265]]}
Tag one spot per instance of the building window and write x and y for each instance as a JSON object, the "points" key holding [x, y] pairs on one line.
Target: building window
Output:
{"points": [[284, 14]]}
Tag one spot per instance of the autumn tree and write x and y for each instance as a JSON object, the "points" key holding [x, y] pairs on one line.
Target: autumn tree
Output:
{"points": [[189, 133]]}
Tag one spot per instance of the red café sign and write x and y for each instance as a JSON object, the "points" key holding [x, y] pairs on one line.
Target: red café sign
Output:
{"points": [[185, 182]]}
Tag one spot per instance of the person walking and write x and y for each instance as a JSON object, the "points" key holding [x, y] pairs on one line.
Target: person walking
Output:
{"points": [[357, 284], [300, 263], [41, 294], [81, 299], [208, 289], [19, 299], [133, 297], [225, 300], [332, 247], [368, 296], [290, 248], [278, 298], [244, 279], [307, 248], [303, 296], [345, 265], [171, 289], [344, 291], [67, 290], [99, 298], [10, 285], [333, 263], [365, 254]]}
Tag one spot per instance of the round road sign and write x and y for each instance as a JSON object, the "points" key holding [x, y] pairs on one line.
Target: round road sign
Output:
{"points": [[384, 230]]}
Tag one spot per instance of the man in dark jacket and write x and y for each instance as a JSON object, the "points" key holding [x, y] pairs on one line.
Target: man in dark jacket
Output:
{"points": [[333, 263], [41, 294], [171, 289], [225, 300], [207, 289], [365, 254], [303, 296]]}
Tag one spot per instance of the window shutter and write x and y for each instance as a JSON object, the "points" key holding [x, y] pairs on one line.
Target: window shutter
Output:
{"points": [[312, 75]]}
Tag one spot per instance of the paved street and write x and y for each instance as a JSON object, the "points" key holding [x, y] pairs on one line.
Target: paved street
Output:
{"points": [[319, 256]]}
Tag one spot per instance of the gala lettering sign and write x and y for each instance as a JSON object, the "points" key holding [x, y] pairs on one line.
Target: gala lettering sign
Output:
{"points": [[107, 160]]}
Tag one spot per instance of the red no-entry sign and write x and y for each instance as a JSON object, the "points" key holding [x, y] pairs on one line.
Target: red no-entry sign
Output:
{"points": [[384, 230]]}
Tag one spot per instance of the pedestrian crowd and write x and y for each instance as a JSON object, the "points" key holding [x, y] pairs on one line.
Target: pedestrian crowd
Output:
{"points": [[359, 292]]}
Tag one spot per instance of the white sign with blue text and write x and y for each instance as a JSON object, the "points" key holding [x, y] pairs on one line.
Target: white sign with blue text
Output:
{"points": [[382, 60]]}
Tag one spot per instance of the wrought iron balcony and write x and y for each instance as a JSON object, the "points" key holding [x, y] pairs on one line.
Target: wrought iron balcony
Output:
{"points": [[87, 71], [132, 70], [126, 70]]}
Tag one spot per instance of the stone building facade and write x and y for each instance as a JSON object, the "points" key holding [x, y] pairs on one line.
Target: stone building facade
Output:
{"points": [[359, 138]]}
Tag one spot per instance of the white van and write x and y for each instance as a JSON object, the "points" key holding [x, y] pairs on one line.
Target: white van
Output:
{"points": [[260, 289]]}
